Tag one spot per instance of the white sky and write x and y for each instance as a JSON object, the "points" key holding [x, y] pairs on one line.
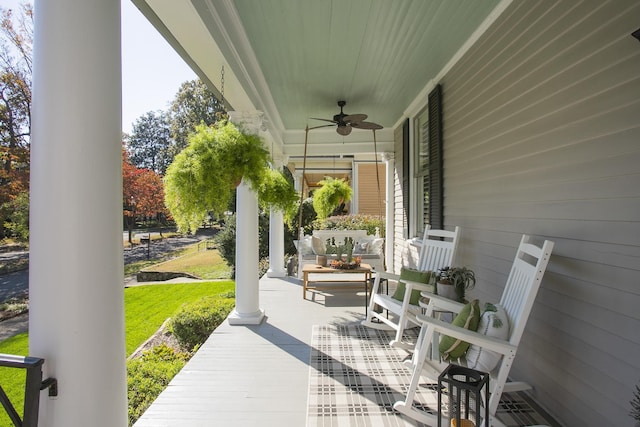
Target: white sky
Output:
{"points": [[151, 70]]}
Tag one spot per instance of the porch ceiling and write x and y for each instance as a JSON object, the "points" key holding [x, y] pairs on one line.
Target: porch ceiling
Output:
{"points": [[294, 60]]}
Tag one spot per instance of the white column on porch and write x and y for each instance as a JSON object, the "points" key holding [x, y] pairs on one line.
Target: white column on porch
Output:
{"points": [[389, 160], [276, 244], [247, 310], [76, 316]]}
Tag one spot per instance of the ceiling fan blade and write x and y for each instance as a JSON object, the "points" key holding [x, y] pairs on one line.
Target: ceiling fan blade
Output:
{"points": [[366, 125], [343, 130], [322, 126], [351, 118], [324, 120]]}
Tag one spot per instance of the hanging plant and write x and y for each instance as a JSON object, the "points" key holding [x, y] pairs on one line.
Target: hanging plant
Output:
{"points": [[333, 192], [203, 176], [278, 192]]}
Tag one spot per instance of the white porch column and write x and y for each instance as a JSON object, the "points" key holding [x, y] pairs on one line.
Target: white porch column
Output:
{"points": [[388, 158], [76, 316], [247, 311], [276, 244]]}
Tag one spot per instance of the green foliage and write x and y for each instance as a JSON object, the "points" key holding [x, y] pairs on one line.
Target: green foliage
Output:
{"points": [[203, 177], [225, 239], [635, 405], [148, 375], [277, 191], [328, 197], [12, 380], [351, 222], [193, 105], [16, 213], [195, 321], [147, 307], [150, 145]]}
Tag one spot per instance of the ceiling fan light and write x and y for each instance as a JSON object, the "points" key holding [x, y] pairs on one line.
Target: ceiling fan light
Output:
{"points": [[343, 130]]}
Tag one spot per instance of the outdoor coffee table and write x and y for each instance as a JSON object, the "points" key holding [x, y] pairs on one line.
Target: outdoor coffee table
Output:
{"points": [[362, 270]]}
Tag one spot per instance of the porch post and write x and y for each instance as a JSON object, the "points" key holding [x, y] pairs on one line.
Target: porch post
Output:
{"points": [[276, 244], [76, 316], [247, 311], [388, 158]]}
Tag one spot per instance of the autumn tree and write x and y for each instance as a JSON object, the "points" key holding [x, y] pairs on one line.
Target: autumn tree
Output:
{"points": [[142, 193], [16, 41], [193, 105], [150, 145]]}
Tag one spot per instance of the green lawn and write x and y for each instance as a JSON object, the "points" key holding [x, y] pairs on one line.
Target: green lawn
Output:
{"points": [[146, 308]]}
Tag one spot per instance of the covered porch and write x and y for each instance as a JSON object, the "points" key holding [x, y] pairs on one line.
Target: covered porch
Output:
{"points": [[260, 374], [535, 131]]}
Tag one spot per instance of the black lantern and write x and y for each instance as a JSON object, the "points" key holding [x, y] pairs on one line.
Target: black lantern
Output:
{"points": [[463, 383]]}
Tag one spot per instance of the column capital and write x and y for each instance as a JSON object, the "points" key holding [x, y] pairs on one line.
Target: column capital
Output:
{"points": [[250, 122]]}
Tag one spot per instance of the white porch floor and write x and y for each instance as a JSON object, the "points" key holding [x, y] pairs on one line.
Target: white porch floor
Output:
{"points": [[255, 375]]}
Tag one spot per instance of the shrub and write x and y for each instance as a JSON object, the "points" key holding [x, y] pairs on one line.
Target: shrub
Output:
{"points": [[149, 374], [225, 239], [351, 222], [194, 322]]}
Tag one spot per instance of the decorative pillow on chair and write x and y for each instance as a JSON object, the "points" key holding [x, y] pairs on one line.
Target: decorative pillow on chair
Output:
{"points": [[413, 276], [493, 323], [375, 247], [318, 246], [360, 248], [305, 246], [468, 318]]}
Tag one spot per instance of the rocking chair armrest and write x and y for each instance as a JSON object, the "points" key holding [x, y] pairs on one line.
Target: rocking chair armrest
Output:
{"points": [[387, 275], [441, 303], [472, 337], [416, 286]]}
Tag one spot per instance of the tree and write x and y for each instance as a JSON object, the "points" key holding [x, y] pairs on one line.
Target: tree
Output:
{"points": [[193, 105], [142, 193], [16, 41], [150, 145]]}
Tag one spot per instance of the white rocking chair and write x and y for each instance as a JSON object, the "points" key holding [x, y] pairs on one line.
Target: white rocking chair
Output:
{"points": [[517, 299], [437, 251]]}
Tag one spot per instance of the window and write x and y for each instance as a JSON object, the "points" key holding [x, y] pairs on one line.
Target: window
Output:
{"points": [[427, 165]]}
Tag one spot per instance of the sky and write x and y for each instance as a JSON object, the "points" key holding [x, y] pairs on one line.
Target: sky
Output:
{"points": [[152, 71]]}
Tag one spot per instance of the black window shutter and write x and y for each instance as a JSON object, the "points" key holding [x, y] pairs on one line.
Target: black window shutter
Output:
{"points": [[406, 179], [436, 193]]}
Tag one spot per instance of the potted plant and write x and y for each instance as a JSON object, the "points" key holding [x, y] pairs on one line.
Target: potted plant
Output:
{"points": [[453, 282], [635, 406], [332, 193], [203, 177]]}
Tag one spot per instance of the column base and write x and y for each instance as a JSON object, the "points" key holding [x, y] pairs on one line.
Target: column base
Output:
{"points": [[236, 318], [277, 273]]}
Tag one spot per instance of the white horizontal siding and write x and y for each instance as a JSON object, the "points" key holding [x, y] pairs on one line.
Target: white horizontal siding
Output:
{"points": [[542, 136]]}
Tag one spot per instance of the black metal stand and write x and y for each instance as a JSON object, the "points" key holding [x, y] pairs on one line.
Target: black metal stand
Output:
{"points": [[460, 383]]}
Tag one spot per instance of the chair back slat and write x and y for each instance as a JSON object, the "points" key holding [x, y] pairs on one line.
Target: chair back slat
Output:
{"points": [[523, 284], [438, 249]]}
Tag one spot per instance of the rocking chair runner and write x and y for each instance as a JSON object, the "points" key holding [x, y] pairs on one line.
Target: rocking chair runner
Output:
{"points": [[517, 300], [437, 251]]}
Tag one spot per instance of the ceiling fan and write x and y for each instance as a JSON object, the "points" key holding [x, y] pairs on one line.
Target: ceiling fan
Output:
{"points": [[346, 122]]}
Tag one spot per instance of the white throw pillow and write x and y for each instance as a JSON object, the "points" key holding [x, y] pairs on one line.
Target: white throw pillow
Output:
{"points": [[305, 246], [376, 246], [493, 323], [318, 246]]}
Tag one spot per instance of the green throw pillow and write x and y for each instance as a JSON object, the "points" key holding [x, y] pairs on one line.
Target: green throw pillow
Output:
{"points": [[468, 318], [413, 276]]}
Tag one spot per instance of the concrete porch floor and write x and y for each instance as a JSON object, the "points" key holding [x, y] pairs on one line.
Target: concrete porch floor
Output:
{"points": [[256, 375]]}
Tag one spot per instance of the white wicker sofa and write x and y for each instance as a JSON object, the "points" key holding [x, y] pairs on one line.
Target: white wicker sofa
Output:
{"points": [[369, 247]]}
